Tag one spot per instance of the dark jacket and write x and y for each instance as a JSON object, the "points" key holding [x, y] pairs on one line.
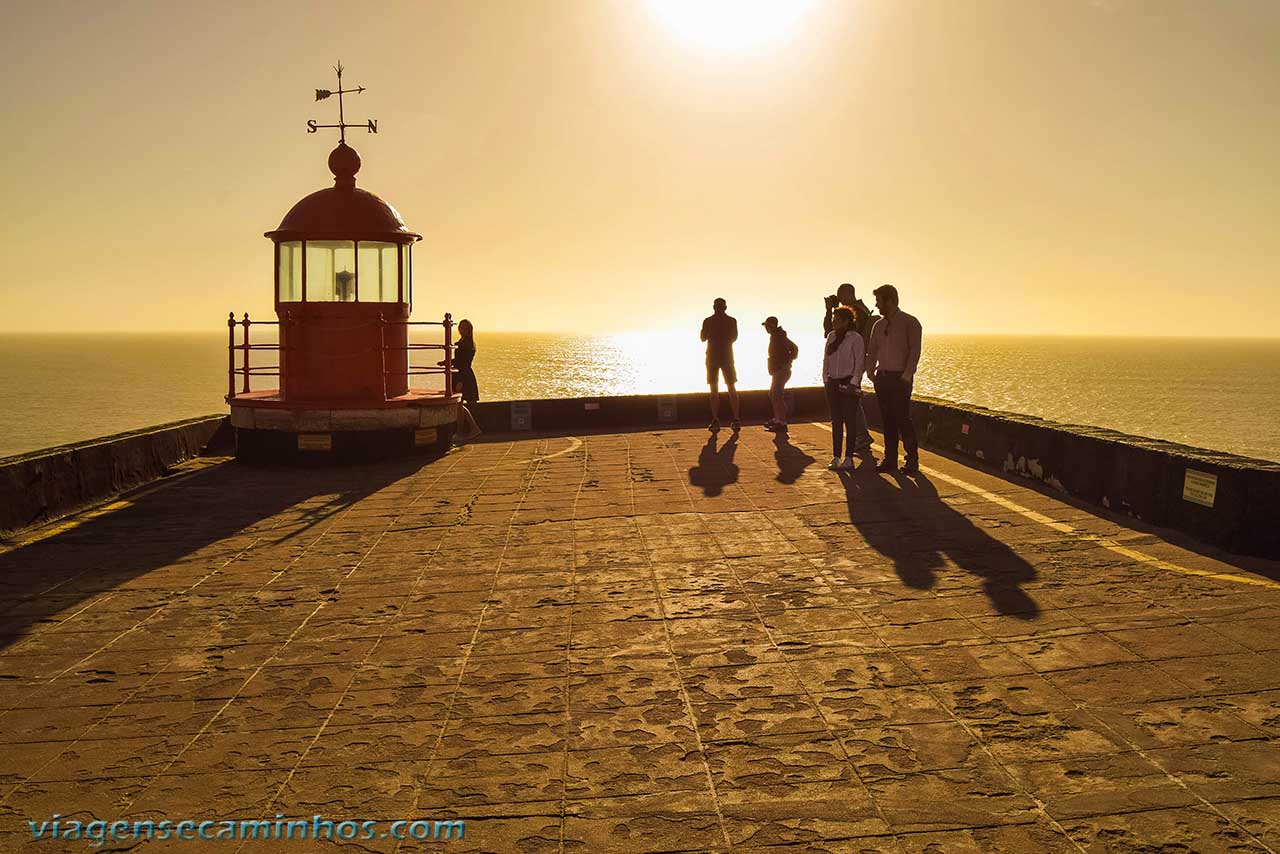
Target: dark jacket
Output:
{"points": [[464, 377], [782, 351], [863, 320]]}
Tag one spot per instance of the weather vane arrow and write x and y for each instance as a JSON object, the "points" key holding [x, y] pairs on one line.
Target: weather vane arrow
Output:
{"points": [[321, 94]]}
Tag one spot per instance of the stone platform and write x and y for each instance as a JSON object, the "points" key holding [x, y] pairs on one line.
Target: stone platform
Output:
{"points": [[639, 642]]}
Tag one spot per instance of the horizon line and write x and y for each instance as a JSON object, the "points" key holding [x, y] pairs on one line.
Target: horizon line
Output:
{"points": [[669, 329]]}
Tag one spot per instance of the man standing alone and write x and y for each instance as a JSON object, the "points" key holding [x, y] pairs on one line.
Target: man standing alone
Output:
{"points": [[893, 354], [720, 331]]}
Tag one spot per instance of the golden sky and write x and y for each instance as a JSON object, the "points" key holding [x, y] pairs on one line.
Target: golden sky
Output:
{"points": [[1047, 166]]}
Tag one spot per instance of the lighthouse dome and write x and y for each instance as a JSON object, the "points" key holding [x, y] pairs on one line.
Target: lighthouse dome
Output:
{"points": [[343, 211]]}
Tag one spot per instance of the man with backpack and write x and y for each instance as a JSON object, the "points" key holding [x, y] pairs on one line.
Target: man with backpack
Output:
{"points": [[782, 352], [863, 321]]}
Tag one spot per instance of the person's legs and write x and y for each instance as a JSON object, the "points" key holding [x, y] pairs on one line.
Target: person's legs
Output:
{"points": [[467, 428], [713, 382], [731, 383], [860, 431], [777, 392], [835, 404], [886, 389], [910, 450], [851, 410]]}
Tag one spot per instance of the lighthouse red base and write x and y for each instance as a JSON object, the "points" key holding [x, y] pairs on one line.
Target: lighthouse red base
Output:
{"points": [[271, 430]]}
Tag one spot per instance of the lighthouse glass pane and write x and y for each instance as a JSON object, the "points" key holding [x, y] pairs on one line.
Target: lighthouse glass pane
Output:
{"points": [[290, 272], [331, 271], [408, 274], [377, 271]]}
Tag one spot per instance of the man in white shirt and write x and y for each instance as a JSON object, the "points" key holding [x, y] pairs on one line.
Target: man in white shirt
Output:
{"points": [[892, 357]]}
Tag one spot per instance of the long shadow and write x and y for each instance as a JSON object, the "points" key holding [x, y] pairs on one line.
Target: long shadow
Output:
{"points": [[715, 469], [49, 578], [791, 460], [919, 532]]}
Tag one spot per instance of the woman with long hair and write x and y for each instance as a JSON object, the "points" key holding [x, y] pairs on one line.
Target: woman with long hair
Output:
{"points": [[464, 381], [464, 353], [842, 366]]}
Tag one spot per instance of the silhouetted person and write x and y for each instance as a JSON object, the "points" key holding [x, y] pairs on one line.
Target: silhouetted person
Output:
{"points": [[893, 354], [863, 320], [464, 354], [842, 363], [846, 296], [464, 380], [782, 352], [720, 331]]}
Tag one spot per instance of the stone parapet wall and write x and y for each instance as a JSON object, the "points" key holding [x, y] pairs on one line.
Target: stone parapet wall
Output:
{"points": [[45, 485], [1216, 497]]}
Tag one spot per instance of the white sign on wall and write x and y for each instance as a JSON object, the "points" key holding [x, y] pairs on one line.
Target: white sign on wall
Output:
{"points": [[1200, 487]]}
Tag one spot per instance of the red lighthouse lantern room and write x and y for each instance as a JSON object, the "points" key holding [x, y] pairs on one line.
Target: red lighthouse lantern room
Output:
{"points": [[343, 277]]}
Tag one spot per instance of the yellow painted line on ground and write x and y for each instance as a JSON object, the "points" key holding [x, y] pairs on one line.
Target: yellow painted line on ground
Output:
{"points": [[574, 444], [1081, 536]]}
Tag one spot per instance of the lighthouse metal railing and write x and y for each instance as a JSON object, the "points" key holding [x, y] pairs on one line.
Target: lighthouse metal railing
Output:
{"points": [[443, 367], [247, 370], [241, 374]]}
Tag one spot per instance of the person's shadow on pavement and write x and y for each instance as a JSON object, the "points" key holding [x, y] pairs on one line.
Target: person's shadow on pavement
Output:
{"points": [[912, 526], [791, 460], [715, 469]]}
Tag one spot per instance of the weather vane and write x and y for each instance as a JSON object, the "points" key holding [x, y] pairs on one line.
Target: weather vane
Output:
{"points": [[321, 94]]}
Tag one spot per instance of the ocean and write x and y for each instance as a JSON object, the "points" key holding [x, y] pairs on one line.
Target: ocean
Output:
{"points": [[1220, 394]]}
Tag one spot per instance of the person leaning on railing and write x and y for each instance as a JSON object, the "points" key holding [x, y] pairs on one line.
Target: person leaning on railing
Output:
{"points": [[464, 353], [464, 382]]}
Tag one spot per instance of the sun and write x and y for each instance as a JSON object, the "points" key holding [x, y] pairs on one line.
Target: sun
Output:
{"points": [[731, 23]]}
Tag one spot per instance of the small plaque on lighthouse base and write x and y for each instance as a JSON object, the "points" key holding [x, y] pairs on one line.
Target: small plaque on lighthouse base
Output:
{"points": [[315, 442]]}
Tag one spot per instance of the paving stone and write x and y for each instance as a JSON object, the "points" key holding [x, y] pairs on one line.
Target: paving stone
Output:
{"points": [[1100, 785], [637, 769], [1060, 735], [1038, 838], [1186, 829], [1213, 675], [1224, 771], [1177, 722], [856, 709], [804, 813], [894, 751], [979, 795], [675, 822], [1260, 817]]}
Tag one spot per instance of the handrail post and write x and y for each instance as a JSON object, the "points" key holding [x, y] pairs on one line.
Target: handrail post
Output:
{"points": [[382, 350], [246, 352], [448, 354], [231, 355]]}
